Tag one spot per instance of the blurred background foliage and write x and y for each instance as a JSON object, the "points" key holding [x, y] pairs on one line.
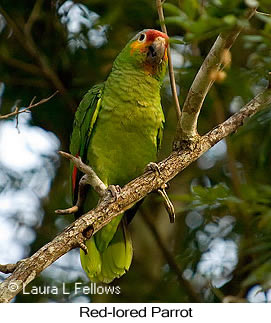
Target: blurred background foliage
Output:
{"points": [[220, 246]]}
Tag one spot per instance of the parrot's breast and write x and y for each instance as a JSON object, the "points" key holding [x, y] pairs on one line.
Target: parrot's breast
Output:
{"points": [[124, 139]]}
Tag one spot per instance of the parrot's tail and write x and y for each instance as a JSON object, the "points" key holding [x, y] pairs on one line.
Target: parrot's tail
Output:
{"points": [[105, 262]]}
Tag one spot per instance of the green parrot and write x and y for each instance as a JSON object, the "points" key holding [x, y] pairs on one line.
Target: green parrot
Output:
{"points": [[117, 131]]}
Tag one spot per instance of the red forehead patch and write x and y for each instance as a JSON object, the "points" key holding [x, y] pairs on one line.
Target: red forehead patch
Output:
{"points": [[153, 34]]}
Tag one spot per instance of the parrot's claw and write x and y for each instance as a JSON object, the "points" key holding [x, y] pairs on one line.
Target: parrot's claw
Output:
{"points": [[168, 204], [153, 167], [112, 192], [82, 245], [162, 191]]}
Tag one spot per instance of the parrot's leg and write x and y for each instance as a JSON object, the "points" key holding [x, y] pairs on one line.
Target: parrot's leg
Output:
{"points": [[82, 191], [162, 191], [167, 203], [83, 183], [82, 244]]}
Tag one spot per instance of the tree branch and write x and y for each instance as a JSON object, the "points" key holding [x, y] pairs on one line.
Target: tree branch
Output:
{"points": [[159, 6], [88, 224], [90, 178], [31, 106], [93, 178], [7, 269], [215, 61]]}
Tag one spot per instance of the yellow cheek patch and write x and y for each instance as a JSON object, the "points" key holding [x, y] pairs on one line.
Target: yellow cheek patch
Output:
{"points": [[139, 45]]}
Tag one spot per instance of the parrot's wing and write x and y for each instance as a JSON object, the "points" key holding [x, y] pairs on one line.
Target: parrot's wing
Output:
{"points": [[85, 118], [159, 136]]}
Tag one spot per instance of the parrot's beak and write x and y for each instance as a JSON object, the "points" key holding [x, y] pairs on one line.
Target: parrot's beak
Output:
{"points": [[156, 51]]}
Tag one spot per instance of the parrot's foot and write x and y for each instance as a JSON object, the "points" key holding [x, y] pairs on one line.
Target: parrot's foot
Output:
{"points": [[162, 191], [80, 198], [83, 237], [81, 244], [112, 193], [168, 204], [153, 167]]}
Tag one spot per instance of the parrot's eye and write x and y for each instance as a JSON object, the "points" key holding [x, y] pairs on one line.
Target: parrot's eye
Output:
{"points": [[142, 37]]}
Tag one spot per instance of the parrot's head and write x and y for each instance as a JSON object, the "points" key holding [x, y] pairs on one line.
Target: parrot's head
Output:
{"points": [[148, 51]]}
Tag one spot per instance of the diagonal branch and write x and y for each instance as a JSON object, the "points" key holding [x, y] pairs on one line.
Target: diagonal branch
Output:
{"points": [[31, 106], [91, 222], [214, 62]]}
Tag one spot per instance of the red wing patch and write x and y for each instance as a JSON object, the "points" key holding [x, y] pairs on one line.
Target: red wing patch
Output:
{"points": [[74, 175]]}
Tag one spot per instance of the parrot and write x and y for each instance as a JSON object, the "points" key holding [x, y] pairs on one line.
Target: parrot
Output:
{"points": [[117, 130]]}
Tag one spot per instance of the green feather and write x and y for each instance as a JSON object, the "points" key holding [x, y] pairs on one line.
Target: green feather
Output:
{"points": [[118, 250], [104, 236], [92, 262], [85, 118]]}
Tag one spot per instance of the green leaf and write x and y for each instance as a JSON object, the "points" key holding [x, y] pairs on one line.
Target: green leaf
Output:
{"points": [[190, 7], [178, 41], [171, 9]]}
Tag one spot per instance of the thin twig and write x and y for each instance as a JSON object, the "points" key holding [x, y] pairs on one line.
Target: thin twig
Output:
{"points": [[133, 192], [263, 13], [234, 299], [31, 106], [159, 6]]}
